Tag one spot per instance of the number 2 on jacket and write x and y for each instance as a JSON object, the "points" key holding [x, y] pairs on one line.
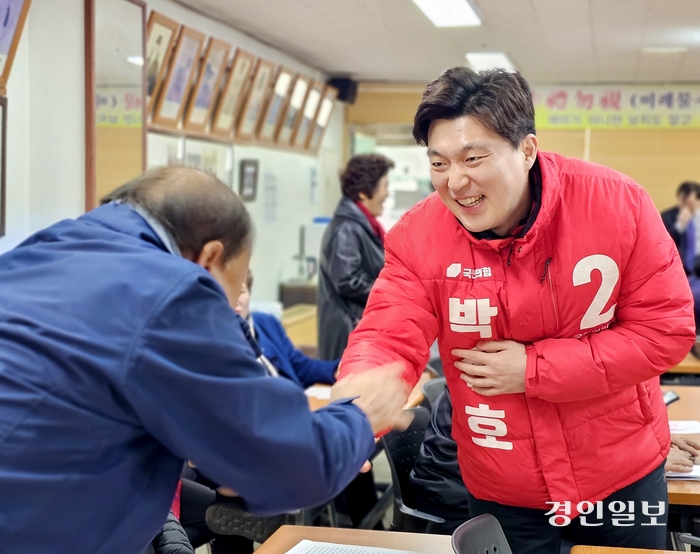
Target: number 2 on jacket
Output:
{"points": [[610, 274]]}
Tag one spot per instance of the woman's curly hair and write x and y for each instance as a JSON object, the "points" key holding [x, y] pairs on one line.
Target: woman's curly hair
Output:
{"points": [[362, 174]]}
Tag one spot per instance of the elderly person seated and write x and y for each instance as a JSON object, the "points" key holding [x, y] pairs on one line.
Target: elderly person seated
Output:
{"points": [[276, 347], [275, 351]]}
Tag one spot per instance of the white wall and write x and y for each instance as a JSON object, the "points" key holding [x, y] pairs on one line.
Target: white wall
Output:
{"points": [[46, 136]]}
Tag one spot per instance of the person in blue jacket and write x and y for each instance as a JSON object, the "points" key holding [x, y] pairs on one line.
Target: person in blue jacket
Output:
{"points": [[275, 345], [121, 357]]}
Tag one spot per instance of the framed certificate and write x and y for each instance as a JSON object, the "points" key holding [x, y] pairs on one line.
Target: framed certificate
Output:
{"points": [[255, 100], [248, 179], [171, 102], [12, 18], [3, 161], [276, 105], [293, 112], [322, 118], [231, 100], [162, 32], [206, 89], [308, 115]]}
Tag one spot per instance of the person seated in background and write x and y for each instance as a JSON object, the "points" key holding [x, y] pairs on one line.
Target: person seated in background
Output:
{"points": [[273, 349], [438, 484], [121, 357], [275, 345], [680, 223], [683, 224]]}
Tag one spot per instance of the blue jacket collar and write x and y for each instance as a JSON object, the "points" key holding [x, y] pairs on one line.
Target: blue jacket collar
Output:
{"points": [[125, 219]]}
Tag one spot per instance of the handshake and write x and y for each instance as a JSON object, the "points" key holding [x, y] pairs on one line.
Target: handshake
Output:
{"points": [[380, 393]]}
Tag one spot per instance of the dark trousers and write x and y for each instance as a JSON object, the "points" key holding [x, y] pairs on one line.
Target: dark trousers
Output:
{"points": [[358, 498], [529, 531], [195, 500]]}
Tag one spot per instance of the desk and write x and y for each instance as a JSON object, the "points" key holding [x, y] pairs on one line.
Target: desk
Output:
{"points": [[300, 322], [611, 550], [288, 536], [686, 493], [690, 365]]}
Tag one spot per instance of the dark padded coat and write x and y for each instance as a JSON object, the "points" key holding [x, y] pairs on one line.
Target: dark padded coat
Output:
{"points": [[436, 478], [172, 539], [352, 256]]}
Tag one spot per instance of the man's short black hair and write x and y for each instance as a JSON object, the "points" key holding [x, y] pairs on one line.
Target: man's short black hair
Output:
{"points": [[501, 101], [363, 173], [193, 206], [686, 188]]}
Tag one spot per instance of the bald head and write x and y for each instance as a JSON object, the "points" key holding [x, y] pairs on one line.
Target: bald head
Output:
{"points": [[194, 207]]}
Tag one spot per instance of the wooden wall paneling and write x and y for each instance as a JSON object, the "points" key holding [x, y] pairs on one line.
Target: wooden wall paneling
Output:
{"points": [[565, 142], [657, 159], [385, 104]]}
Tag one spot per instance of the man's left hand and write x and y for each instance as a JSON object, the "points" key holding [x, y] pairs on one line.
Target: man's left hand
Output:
{"points": [[494, 367]]}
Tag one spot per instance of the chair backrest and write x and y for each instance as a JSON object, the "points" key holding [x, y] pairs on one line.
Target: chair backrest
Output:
{"points": [[435, 364], [480, 535], [433, 389], [402, 449]]}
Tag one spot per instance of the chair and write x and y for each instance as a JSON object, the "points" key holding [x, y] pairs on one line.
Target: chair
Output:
{"points": [[402, 449], [231, 518], [433, 389], [480, 535], [435, 364], [687, 538]]}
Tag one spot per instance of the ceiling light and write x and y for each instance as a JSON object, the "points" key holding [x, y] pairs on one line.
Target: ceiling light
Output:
{"points": [[479, 61], [136, 60], [449, 13], [664, 49]]}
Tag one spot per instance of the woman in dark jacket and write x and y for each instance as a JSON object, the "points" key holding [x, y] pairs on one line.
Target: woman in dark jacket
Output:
{"points": [[352, 252]]}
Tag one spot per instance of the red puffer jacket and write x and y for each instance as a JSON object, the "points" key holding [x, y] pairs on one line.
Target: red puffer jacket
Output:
{"points": [[596, 291]]}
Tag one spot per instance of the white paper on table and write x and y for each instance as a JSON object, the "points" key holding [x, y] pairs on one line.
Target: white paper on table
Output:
{"points": [[313, 547], [322, 393], [685, 427], [692, 475]]}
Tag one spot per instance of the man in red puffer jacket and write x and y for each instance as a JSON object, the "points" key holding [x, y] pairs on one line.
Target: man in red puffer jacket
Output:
{"points": [[557, 298]]}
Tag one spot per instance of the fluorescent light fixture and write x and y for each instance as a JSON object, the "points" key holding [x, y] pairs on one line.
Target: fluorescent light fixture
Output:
{"points": [[449, 13], [479, 61], [662, 50], [136, 60]]}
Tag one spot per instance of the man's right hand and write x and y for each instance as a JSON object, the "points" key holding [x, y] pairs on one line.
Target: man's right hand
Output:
{"points": [[381, 393], [685, 214]]}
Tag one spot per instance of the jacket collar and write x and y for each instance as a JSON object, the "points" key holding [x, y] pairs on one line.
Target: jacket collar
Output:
{"points": [[347, 209], [124, 219]]}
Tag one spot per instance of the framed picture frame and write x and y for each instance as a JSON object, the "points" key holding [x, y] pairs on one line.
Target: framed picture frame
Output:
{"points": [[276, 105], [231, 99], [293, 111], [171, 101], [12, 22], [255, 101], [162, 32], [322, 118], [206, 89], [248, 179], [308, 115]]}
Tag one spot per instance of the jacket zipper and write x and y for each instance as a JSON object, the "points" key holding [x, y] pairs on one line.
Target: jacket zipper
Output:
{"points": [[554, 300]]}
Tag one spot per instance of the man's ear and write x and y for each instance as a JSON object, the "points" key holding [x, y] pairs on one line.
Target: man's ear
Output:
{"points": [[529, 149], [211, 255]]}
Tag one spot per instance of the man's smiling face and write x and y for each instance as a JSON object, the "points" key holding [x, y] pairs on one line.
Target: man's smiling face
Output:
{"points": [[479, 175]]}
